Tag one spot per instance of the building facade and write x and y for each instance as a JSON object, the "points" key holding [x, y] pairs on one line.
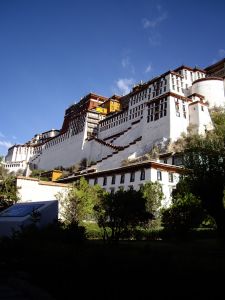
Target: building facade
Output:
{"points": [[133, 177], [108, 131]]}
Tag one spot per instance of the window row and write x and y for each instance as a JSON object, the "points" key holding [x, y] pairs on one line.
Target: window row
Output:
{"points": [[122, 178], [119, 117], [137, 108], [55, 141], [178, 109], [113, 124], [14, 165], [157, 110], [158, 87], [132, 177]]}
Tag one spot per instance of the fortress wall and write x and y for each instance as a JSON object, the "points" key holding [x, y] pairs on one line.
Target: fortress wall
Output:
{"points": [[94, 151], [130, 135], [65, 153], [116, 160]]}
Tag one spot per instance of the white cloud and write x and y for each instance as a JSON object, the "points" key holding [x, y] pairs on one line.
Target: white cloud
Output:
{"points": [[126, 63], [124, 85], [221, 52], [148, 69], [152, 23], [5, 144]]}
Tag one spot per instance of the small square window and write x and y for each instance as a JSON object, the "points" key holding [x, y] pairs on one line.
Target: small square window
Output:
{"points": [[96, 180]]}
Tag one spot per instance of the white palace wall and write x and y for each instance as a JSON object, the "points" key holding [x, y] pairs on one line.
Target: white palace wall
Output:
{"points": [[212, 89], [157, 112], [31, 189]]}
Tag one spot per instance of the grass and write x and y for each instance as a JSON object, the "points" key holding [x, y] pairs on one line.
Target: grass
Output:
{"points": [[126, 270]]}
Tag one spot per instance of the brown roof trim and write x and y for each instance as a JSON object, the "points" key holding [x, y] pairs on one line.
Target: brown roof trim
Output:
{"points": [[196, 94], [108, 100], [190, 69], [215, 65], [165, 155], [95, 96], [207, 78], [199, 101], [167, 95], [129, 168], [114, 114], [117, 97]]}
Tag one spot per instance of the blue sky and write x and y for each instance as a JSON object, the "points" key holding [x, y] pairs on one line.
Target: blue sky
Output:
{"points": [[53, 52]]}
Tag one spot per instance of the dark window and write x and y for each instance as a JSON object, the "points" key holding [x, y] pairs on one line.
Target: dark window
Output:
{"points": [[142, 175], [159, 175], [113, 179], [104, 180], [132, 177], [170, 177], [96, 180], [122, 178]]}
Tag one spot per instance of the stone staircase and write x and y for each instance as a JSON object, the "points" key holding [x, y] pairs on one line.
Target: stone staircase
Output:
{"points": [[119, 149], [114, 147]]}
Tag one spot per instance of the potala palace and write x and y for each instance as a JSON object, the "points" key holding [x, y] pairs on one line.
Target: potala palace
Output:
{"points": [[109, 132]]}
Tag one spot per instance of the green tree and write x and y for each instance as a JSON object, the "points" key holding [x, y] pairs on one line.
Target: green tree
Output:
{"points": [[8, 188], [78, 201], [119, 214], [36, 173], [204, 156], [184, 214], [152, 192]]}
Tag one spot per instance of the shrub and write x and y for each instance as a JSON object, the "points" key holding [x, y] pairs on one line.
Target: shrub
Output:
{"points": [[185, 214]]}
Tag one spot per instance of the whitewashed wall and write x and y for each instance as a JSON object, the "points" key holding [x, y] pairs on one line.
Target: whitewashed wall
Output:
{"points": [[31, 189], [200, 118], [212, 89]]}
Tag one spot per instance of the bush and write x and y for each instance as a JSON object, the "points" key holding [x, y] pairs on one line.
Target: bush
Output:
{"points": [[52, 233], [185, 214], [93, 232]]}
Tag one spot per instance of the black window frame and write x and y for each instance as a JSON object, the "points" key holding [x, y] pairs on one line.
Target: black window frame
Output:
{"points": [[132, 176], [105, 181], [142, 176]]}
